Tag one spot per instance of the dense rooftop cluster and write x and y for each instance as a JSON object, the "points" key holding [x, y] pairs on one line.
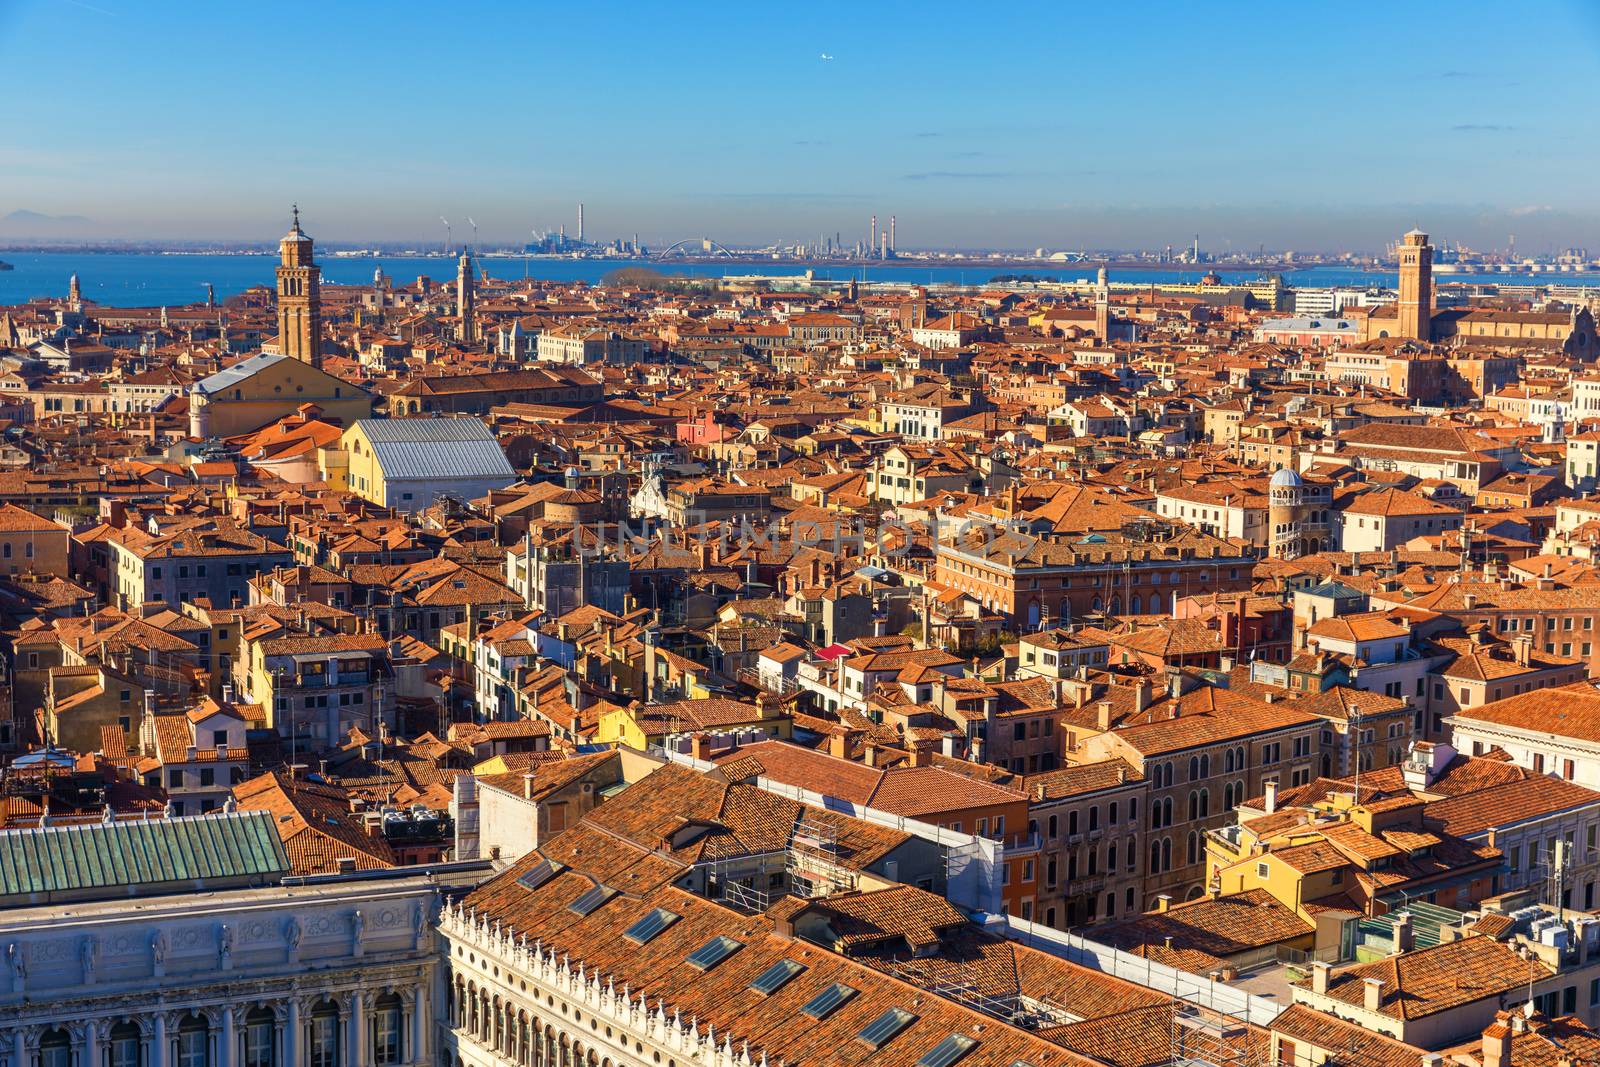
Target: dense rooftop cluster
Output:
{"points": [[864, 638]]}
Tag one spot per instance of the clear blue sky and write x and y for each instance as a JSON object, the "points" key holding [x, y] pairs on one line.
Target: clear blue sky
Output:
{"points": [[1014, 125]]}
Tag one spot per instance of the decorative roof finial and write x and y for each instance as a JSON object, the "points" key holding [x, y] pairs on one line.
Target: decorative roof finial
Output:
{"points": [[296, 209]]}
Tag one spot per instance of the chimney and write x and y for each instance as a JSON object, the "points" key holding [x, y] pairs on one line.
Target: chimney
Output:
{"points": [[1102, 715], [1497, 1045], [1141, 695], [1271, 789], [1319, 976], [1404, 934], [1163, 902], [921, 757], [1371, 993], [839, 745], [1522, 648], [700, 746], [527, 786]]}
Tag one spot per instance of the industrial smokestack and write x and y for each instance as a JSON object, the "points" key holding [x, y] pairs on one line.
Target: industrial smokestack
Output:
{"points": [[891, 233], [872, 241], [580, 220]]}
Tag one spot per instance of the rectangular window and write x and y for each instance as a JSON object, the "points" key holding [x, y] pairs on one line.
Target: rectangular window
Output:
{"points": [[325, 1039], [386, 1035]]}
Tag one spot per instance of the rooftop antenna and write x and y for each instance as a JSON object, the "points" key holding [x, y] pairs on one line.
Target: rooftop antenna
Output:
{"points": [[447, 241]]}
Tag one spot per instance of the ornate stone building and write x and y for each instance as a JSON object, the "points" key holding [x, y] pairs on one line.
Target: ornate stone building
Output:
{"points": [[103, 965]]}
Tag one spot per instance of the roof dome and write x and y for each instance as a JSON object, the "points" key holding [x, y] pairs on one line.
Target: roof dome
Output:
{"points": [[1285, 478]]}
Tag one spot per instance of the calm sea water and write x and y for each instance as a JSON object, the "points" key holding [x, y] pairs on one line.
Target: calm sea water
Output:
{"points": [[153, 279]]}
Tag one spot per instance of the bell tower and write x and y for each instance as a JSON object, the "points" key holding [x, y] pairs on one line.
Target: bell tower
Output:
{"points": [[465, 304], [1102, 309], [1416, 287], [299, 297]]}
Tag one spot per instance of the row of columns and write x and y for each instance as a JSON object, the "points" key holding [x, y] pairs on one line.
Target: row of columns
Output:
{"points": [[288, 1033]]}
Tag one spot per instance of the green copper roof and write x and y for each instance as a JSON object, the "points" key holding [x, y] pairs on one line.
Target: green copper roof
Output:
{"points": [[221, 848]]}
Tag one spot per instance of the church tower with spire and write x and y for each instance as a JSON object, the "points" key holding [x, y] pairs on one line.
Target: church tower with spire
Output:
{"points": [[299, 297], [464, 299]]}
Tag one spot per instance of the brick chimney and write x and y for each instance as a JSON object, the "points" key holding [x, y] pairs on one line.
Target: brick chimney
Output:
{"points": [[1102, 715], [700, 746]]}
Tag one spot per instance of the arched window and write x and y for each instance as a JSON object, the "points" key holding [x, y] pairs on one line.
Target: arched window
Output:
{"points": [[1051, 823], [1194, 768], [55, 1046], [1194, 805], [1166, 853], [194, 1042], [1192, 854], [126, 1046], [324, 1033], [387, 1031], [1111, 815], [1166, 812], [1111, 858], [1205, 766], [1227, 762], [260, 1033], [1205, 802], [1155, 857]]}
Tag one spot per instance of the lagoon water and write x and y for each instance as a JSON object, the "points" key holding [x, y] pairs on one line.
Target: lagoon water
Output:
{"points": [[154, 279]]}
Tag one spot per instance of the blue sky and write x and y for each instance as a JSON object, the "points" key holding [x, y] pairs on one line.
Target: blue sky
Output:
{"points": [[1061, 125]]}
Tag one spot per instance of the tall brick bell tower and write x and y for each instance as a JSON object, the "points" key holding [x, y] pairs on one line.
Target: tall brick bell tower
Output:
{"points": [[1416, 287], [299, 297]]}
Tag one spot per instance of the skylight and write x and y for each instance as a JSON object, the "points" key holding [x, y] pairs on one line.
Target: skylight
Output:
{"points": [[826, 1002], [713, 952], [538, 874], [591, 900], [776, 977], [948, 1051], [881, 1030], [649, 926]]}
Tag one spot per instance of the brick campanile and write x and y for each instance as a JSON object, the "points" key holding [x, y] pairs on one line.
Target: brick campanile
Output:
{"points": [[1416, 287], [299, 297]]}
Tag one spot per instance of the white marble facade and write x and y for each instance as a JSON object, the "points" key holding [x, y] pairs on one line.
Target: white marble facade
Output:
{"points": [[329, 974]]}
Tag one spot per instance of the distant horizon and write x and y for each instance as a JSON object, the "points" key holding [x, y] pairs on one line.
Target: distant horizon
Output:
{"points": [[1131, 127]]}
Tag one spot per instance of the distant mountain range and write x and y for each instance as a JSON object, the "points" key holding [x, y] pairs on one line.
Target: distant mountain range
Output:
{"points": [[25, 223]]}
